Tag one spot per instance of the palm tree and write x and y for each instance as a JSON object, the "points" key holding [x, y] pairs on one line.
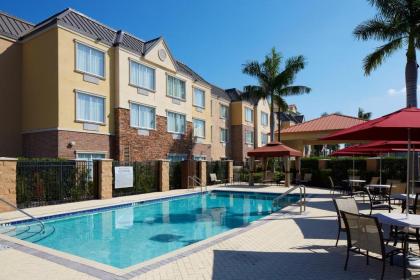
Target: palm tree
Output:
{"points": [[361, 114], [282, 106], [273, 83], [398, 24]]}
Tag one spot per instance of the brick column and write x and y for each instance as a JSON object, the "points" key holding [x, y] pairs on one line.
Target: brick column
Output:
{"points": [[287, 181], [202, 172], [163, 175], [230, 171], [7, 183], [105, 178]]}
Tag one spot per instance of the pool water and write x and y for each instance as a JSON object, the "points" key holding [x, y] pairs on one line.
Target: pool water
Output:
{"points": [[126, 236]]}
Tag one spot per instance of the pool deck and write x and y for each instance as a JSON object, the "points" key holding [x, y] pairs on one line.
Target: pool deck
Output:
{"points": [[284, 245]]}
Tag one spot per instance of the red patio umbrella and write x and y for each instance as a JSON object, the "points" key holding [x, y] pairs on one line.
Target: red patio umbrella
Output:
{"points": [[274, 149], [402, 125]]}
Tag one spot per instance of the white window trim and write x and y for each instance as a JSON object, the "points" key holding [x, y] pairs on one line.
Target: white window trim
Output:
{"points": [[137, 86], [174, 97], [266, 134], [197, 119], [85, 72], [268, 121], [220, 110], [185, 122], [227, 135], [144, 105], [204, 97], [253, 140], [91, 94], [252, 115]]}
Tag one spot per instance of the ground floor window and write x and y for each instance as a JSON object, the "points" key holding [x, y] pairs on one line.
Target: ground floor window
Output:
{"points": [[199, 128], [177, 157], [176, 123], [199, 157], [249, 137], [224, 135], [90, 157]]}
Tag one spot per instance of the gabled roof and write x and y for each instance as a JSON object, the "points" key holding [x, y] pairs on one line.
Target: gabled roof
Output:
{"points": [[220, 93], [237, 95], [181, 67], [13, 27], [327, 123], [291, 117]]}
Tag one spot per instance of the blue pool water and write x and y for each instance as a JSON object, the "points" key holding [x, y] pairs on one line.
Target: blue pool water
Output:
{"points": [[126, 236]]}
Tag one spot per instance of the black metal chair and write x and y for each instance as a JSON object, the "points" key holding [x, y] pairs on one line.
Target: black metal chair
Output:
{"points": [[380, 202]]}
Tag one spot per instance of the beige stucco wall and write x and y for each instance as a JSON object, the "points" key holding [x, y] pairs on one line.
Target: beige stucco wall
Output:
{"points": [[158, 98], [69, 80], [10, 96], [218, 149], [40, 82]]}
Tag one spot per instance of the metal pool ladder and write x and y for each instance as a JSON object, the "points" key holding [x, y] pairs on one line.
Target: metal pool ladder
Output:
{"points": [[302, 197], [26, 214], [196, 180]]}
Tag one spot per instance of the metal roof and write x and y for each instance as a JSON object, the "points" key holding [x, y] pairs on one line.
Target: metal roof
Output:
{"points": [[220, 93], [13, 27], [181, 67], [326, 123]]}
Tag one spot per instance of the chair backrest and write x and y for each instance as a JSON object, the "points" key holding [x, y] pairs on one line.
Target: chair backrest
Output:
{"points": [[307, 176], [398, 187], [347, 204], [354, 177], [393, 181], [416, 207], [374, 180], [331, 182], [213, 177], [364, 232]]}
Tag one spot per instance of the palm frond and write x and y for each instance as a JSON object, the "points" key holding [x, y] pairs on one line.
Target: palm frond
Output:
{"points": [[373, 60], [280, 103], [293, 90], [390, 8], [293, 66], [380, 29], [252, 68], [253, 92]]}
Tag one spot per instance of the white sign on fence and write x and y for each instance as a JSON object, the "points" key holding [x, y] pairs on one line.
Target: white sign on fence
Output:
{"points": [[123, 177]]}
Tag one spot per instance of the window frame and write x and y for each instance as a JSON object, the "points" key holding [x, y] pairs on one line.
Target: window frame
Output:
{"points": [[268, 121], [253, 136], [204, 122], [194, 99], [144, 105], [77, 92], [167, 122], [252, 114], [227, 135], [76, 68], [167, 88], [220, 111], [266, 135], [130, 60]]}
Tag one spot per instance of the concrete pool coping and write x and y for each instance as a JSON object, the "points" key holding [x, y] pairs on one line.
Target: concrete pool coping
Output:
{"points": [[103, 271]]}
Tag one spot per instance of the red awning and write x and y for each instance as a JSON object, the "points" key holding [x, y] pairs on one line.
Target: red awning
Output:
{"points": [[274, 149], [394, 126], [353, 151]]}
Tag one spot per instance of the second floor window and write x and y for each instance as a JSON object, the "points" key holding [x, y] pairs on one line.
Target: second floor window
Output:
{"points": [[90, 108], [264, 138], [142, 76], [224, 111], [175, 88], [249, 114], [90, 60], [264, 119], [199, 128], [143, 117], [249, 137], [199, 99], [176, 123], [223, 135]]}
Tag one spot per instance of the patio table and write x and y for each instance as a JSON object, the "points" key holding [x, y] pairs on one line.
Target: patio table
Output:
{"points": [[377, 186], [354, 181], [400, 220]]}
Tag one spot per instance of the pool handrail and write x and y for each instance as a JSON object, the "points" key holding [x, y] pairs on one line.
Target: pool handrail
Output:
{"points": [[25, 213], [195, 180], [302, 195]]}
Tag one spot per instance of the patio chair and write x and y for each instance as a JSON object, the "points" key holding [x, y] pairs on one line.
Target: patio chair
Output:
{"points": [[413, 234], [347, 204], [380, 202], [364, 236], [334, 187], [397, 188], [374, 181], [214, 180], [307, 178]]}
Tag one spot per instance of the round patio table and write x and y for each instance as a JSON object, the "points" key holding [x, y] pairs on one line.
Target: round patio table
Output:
{"points": [[377, 186], [400, 220]]}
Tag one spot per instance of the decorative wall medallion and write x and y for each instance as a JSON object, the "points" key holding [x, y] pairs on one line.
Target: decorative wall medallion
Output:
{"points": [[162, 54]]}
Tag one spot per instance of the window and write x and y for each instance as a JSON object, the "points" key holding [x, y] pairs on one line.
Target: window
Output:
{"points": [[142, 76], [199, 99], [223, 135], [199, 128], [177, 157], [224, 111], [249, 115], [176, 123], [143, 117], [249, 137], [90, 108], [264, 119], [264, 138], [90, 60], [199, 157], [90, 157], [175, 88]]}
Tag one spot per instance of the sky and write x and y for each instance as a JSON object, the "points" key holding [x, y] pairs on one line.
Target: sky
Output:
{"points": [[216, 37]]}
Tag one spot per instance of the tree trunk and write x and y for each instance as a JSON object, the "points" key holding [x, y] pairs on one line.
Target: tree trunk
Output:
{"points": [[279, 127], [272, 118], [411, 75]]}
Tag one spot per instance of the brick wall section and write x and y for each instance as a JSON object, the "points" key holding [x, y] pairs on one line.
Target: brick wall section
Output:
{"points": [[201, 149], [56, 144], [154, 146], [163, 175], [7, 183], [105, 178], [239, 148]]}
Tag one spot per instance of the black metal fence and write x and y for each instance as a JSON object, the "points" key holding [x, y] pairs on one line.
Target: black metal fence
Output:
{"points": [[175, 176], [45, 182], [219, 167], [145, 175]]}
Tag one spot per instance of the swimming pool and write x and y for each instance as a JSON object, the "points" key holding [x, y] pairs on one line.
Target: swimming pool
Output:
{"points": [[130, 234]]}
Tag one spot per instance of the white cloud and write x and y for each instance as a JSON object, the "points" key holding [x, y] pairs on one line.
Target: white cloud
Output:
{"points": [[394, 92]]}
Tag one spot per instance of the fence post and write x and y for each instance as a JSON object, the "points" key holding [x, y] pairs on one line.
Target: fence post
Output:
{"points": [[322, 164], [187, 169], [7, 182], [105, 178], [202, 172], [230, 171], [163, 175], [372, 164]]}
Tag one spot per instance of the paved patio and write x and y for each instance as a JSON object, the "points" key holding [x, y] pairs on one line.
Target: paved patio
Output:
{"points": [[284, 245]]}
